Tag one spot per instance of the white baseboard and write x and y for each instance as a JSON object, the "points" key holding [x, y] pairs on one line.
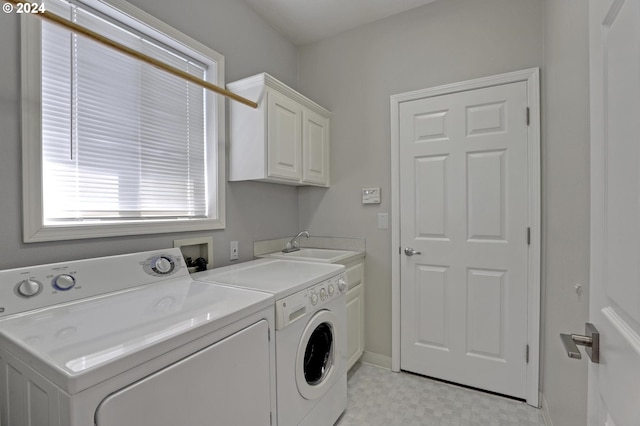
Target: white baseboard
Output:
{"points": [[545, 411], [376, 359]]}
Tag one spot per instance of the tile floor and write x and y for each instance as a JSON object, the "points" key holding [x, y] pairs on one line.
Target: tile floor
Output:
{"points": [[379, 397]]}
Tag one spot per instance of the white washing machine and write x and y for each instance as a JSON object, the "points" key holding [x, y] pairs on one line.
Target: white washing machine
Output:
{"points": [[132, 340], [311, 334]]}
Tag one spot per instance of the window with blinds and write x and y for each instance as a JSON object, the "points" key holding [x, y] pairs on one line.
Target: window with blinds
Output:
{"points": [[125, 148]]}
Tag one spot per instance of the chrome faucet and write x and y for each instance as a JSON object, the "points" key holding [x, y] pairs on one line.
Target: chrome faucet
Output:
{"points": [[293, 244]]}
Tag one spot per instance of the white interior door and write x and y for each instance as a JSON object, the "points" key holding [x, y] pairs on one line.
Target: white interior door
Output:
{"points": [[464, 206], [614, 384]]}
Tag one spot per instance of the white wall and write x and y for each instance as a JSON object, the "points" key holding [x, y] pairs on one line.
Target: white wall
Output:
{"points": [[355, 73], [565, 165], [249, 45]]}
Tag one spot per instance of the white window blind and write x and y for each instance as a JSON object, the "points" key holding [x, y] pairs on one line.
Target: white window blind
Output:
{"points": [[112, 146], [122, 141]]}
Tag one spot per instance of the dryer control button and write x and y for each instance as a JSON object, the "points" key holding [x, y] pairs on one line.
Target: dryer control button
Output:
{"points": [[29, 288], [323, 294], [314, 298], [162, 265], [64, 282], [332, 289]]}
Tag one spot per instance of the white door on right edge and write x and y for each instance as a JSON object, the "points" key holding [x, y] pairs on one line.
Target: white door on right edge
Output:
{"points": [[464, 208], [614, 383]]}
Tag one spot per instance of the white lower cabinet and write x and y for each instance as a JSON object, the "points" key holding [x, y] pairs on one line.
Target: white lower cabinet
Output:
{"points": [[355, 311]]}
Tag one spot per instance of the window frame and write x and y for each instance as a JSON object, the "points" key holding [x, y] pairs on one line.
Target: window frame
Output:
{"points": [[34, 228]]}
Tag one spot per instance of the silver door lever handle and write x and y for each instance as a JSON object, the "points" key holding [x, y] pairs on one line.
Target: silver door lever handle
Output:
{"points": [[410, 252], [591, 342]]}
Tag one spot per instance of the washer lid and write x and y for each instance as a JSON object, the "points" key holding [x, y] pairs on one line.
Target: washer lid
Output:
{"points": [[280, 277], [79, 344]]}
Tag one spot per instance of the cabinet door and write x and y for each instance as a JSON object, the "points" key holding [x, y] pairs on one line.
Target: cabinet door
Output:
{"points": [[355, 325], [284, 122], [315, 148]]}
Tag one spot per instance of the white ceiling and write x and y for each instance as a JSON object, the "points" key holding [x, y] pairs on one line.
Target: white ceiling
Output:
{"points": [[306, 21]]}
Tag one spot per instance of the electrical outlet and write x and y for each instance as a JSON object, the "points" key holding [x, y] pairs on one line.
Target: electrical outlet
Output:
{"points": [[233, 250]]}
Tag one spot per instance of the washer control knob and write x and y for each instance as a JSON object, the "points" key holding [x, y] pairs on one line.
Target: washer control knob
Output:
{"points": [[332, 289], [64, 282], [29, 288], [162, 265], [323, 293], [314, 298], [342, 284]]}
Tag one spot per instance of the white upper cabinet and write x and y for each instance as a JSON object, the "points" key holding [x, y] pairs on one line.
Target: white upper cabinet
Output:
{"points": [[284, 133], [315, 148], [285, 140]]}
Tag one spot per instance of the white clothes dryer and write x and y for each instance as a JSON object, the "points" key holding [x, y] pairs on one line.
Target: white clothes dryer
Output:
{"points": [[132, 340], [311, 334]]}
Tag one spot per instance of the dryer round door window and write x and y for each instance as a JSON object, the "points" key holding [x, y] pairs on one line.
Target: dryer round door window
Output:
{"points": [[315, 361]]}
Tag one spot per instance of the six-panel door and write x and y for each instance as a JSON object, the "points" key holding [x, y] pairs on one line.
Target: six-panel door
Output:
{"points": [[464, 208]]}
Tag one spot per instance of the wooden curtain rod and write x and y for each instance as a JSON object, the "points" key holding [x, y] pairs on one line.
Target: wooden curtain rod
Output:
{"points": [[141, 56]]}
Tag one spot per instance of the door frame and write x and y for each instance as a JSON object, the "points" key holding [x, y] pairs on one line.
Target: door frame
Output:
{"points": [[532, 79]]}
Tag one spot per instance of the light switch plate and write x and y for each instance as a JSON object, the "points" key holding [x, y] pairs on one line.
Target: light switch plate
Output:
{"points": [[383, 220], [370, 195]]}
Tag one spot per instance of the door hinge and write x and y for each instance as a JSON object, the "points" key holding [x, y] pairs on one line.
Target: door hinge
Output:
{"points": [[399, 249], [270, 418], [528, 236], [526, 355], [269, 334], [528, 116]]}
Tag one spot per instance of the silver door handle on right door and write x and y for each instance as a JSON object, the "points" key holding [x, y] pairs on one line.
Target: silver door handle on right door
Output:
{"points": [[410, 252], [590, 340]]}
